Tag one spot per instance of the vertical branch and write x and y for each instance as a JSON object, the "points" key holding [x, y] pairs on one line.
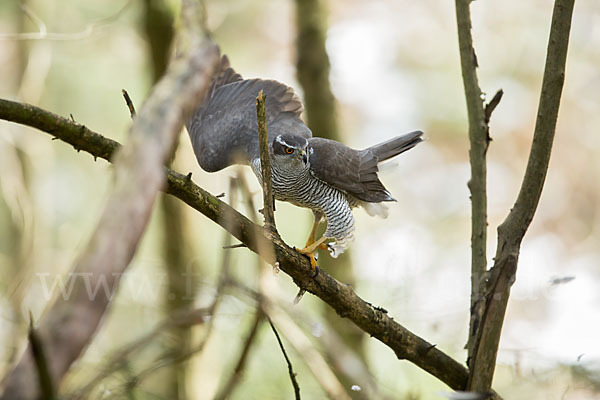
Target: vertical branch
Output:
{"points": [[312, 68], [158, 29], [514, 227], [479, 141], [265, 163]]}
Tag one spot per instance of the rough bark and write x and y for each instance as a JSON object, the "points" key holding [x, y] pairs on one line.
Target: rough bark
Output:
{"points": [[479, 140]]}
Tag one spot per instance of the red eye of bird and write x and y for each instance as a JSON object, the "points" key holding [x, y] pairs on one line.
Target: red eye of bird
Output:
{"points": [[289, 150]]}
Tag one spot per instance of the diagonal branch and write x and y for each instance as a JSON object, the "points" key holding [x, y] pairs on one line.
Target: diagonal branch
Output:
{"points": [[373, 320], [513, 229], [69, 325], [288, 362]]}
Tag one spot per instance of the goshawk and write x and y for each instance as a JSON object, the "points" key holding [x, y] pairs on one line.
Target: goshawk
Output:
{"points": [[323, 175]]}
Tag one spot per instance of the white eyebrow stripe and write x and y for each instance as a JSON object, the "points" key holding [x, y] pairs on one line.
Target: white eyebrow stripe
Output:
{"points": [[279, 140]]}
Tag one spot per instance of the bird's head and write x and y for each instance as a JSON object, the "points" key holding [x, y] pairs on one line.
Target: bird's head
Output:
{"points": [[291, 150]]}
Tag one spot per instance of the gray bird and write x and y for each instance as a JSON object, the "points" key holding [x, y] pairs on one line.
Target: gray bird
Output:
{"points": [[323, 175]]}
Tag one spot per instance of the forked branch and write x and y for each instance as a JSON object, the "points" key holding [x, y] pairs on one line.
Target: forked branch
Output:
{"points": [[511, 232]]}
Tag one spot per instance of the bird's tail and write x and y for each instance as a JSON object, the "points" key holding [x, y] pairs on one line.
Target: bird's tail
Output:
{"points": [[393, 147]]}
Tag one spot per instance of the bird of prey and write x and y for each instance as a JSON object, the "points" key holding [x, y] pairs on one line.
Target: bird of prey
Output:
{"points": [[323, 175]]}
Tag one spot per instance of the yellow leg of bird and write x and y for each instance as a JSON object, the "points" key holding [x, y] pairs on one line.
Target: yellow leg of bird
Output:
{"points": [[310, 250], [313, 233]]}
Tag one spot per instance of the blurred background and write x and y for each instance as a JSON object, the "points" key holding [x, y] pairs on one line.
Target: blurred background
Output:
{"points": [[394, 68]]}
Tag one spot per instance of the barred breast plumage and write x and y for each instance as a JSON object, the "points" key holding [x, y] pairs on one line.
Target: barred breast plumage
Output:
{"points": [[300, 187]]}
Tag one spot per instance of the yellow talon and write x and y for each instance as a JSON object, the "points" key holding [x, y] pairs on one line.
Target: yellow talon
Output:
{"points": [[310, 249]]}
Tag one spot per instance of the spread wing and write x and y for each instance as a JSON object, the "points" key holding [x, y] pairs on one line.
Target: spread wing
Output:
{"points": [[355, 171], [223, 129]]}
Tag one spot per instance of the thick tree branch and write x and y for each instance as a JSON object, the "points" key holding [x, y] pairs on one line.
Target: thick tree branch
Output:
{"points": [[512, 230], [340, 297], [69, 325]]}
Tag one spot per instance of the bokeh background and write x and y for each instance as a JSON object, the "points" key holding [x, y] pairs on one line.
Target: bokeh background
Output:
{"points": [[394, 68]]}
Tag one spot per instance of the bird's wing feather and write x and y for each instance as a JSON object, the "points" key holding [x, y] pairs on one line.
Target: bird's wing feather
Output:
{"points": [[349, 170], [223, 129], [355, 171]]}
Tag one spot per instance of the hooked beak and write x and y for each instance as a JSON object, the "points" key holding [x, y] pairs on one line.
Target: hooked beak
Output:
{"points": [[304, 156]]}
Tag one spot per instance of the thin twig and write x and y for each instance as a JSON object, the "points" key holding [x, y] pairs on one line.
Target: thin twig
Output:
{"points": [[314, 360], [287, 360], [491, 106], [226, 260], [129, 103], [234, 246], [514, 227], [246, 195], [336, 351]]}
